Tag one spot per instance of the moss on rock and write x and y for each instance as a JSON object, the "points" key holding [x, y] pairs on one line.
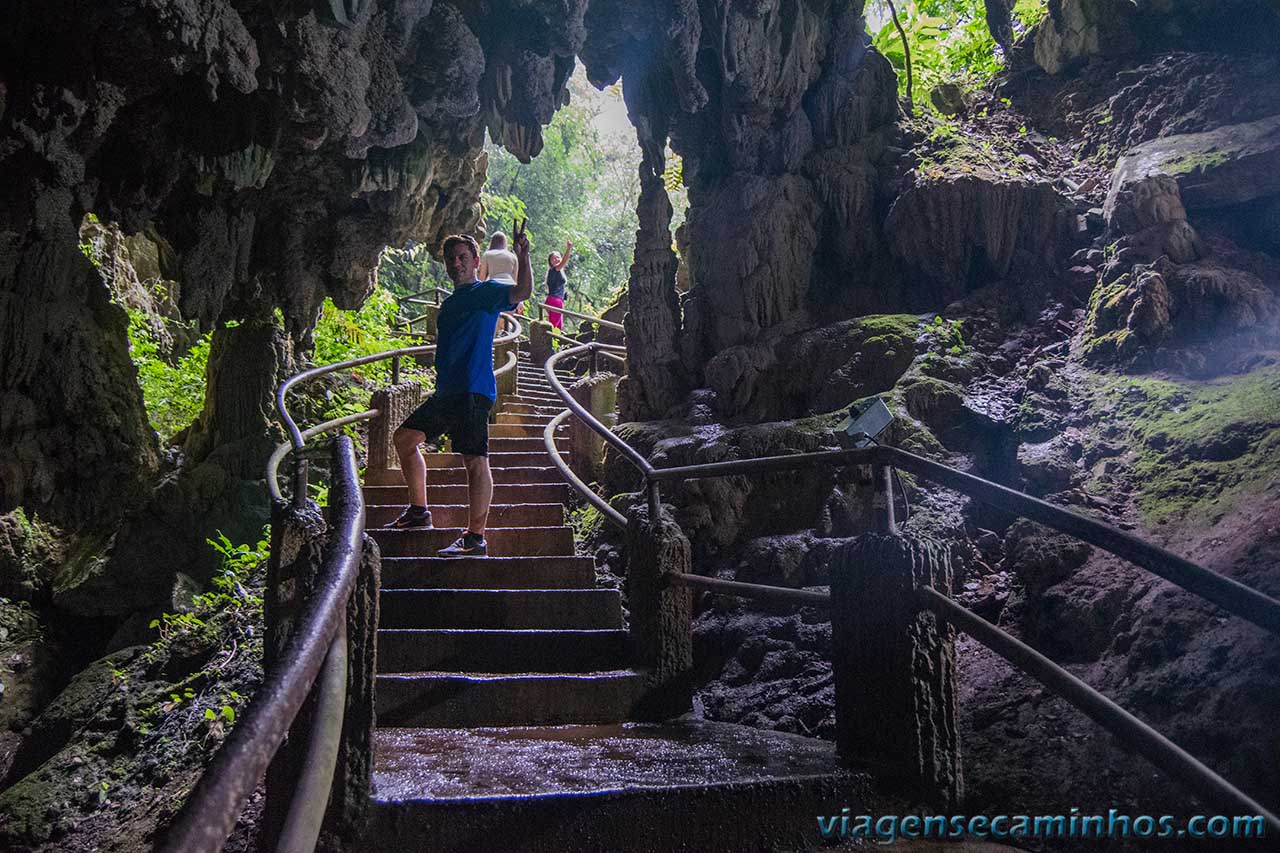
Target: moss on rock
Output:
{"points": [[1199, 445], [30, 552]]}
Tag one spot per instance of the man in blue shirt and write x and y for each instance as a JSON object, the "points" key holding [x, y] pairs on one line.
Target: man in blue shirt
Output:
{"points": [[465, 387]]}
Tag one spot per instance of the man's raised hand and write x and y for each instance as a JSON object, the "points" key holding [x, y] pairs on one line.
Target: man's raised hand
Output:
{"points": [[520, 237]]}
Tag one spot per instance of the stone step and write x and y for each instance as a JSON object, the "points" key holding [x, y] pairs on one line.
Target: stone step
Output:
{"points": [[532, 409], [525, 444], [523, 430], [525, 418], [536, 389], [502, 541], [458, 515], [505, 609], [551, 401], [539, 381], [683, 785], [488, 572], [437, 494], [535, 458], [478, 650], [544, 473], [485, 699]]}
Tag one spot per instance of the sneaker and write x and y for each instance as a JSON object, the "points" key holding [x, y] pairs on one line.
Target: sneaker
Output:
{"points": [[412, 518], [468, 545]]}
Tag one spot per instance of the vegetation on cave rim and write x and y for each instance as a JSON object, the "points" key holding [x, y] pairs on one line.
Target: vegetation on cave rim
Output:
{"points": [[1199, 445], [582, 187], [949, 42]]}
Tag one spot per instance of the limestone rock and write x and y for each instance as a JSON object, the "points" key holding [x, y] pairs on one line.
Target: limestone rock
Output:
{"points": [[968, 229], [1078, 29], [794, 375], [949, 98], [30, 552], [1041, 557], [1217, 168], [1046, 467], [1170, 306], [756, 264]]}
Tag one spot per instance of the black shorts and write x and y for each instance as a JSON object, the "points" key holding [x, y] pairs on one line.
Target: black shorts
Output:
{"points": [[462, 417]]}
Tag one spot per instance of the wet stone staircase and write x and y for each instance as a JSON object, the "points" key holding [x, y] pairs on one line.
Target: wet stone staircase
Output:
{"points": [[521, 637], [504, 687]]}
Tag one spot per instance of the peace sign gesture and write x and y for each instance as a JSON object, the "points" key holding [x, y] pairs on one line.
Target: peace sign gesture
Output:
{"points": [[520, 237]]}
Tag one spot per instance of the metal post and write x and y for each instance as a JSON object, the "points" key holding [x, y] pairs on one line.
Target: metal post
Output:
{"points": [[882, 500], [539, 304], [395, 370], [655, 502], [300, 482], [593, 367]]}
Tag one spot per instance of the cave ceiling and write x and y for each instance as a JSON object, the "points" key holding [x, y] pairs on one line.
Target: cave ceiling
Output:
{"points": [[273, 149]]}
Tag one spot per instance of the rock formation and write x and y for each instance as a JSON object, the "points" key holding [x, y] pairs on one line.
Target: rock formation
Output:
{"points": [[271, 151]]}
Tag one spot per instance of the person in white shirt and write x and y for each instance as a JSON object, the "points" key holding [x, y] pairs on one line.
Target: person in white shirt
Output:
{"points": [[498, 264]]}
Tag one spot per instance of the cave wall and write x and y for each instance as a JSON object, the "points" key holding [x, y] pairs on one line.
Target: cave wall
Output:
{"points": [[271, 149], [779, 110]]}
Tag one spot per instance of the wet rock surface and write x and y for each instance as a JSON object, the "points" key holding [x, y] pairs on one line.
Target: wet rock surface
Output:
{"points": [[441, 764]]}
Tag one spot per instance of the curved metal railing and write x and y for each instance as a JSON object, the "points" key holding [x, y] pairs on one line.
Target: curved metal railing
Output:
{"points": [[320, 639], [297, 438], [318, 647], [608, 324], [1232, 596], [437, 294]]}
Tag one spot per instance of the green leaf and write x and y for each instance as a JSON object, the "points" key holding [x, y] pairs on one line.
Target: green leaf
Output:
{"points": [[209, 714]]}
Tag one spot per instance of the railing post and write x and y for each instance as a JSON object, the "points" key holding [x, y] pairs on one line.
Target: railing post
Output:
{"points": [[591, 370], [661, 613], [299, 480], [655, 499], [540, 348], [597, 394], [394, 403], [395, 370], [882, 499], [894, 667]]}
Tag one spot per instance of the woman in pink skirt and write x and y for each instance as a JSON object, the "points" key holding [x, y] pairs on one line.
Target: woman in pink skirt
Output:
{"points": [[556, 283]]}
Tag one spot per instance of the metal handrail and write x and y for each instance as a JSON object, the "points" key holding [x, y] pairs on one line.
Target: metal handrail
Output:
{"points": [[608, 324], [211, 811], [549, 439], [577, 408], [757, 591], [296, 437], [1153, 746], [1231, 595], [282, 450]]}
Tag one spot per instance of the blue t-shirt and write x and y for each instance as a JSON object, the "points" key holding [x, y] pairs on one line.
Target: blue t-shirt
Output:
{"points": [[464, 338]]}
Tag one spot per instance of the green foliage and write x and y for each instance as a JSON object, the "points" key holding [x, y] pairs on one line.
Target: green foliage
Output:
{"points": [[343, 335], [947, 334], [93, 250], [587, 522], [1028, 13], [949, 42], [949, 151], [582, 187], [232, 600], [173, 393], [410, 270]]}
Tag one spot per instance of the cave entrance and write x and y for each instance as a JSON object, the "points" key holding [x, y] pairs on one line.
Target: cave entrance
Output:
{"points": [[583, 188]]}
